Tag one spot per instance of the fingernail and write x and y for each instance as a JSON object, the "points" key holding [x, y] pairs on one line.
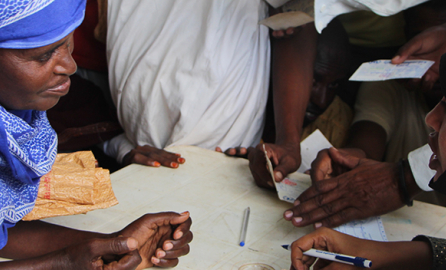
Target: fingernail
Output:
{"points": [[174, 165], [156, 164], [271, 184], [160, 254], [178, 235], [181, 160], [317, 225], [278, 176], [132, 243], [155, 260], [297, 219], [168, 246], [296, 202], [288, 214], [184, 213]]}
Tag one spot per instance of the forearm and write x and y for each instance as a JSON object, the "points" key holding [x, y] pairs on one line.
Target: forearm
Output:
{"points": [[46, 262], [36, 238], [292, 76], [399, 255]]}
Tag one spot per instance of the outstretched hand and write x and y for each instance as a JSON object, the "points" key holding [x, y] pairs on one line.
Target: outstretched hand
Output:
{"points": [[428, 45], [162, 238], [366, 188], [152, 156]]}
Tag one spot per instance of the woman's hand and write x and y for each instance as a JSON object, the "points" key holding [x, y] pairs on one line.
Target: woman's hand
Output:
{"points": [[152, 156], [162, 238], [384, 255]]}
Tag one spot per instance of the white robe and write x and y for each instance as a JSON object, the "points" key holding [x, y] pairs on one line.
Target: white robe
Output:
{"points": [[188, 72]]}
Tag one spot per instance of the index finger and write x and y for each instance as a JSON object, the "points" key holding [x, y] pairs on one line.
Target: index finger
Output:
{"points": [[182, 229], [406, 51]]}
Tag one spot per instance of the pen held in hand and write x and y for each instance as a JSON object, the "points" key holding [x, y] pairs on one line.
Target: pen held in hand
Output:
{"points": [[244, 227], [335, 257]]}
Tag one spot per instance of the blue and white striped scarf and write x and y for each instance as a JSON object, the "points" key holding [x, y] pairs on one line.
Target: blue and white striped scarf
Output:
{"points": [[28, 148]]}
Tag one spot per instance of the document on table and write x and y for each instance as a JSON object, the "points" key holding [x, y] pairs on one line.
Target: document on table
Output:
{"points": [[381, 70], [294, 184]]}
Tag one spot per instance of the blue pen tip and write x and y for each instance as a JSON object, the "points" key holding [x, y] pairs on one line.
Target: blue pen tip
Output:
{"points": [[242, 244]]}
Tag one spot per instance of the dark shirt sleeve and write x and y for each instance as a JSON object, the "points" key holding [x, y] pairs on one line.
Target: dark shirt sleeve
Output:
{"points": [[438, 246]]}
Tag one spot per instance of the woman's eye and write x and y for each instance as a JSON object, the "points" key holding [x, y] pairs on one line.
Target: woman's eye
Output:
{"points": [[45, 57]]}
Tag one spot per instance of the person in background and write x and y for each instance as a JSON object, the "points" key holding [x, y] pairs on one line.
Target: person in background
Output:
{"points": [[284, 161], [200, 76], [346, 187], [327, 110], [36, 42], [423, 252]]}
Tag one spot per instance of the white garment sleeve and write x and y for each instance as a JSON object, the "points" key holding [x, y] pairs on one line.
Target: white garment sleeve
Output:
{"points": [[117, 147], [326, 10], [419, 163]]}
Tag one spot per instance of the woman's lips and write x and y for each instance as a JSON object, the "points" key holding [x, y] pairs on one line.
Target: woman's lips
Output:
{"points": [[61, 89]]}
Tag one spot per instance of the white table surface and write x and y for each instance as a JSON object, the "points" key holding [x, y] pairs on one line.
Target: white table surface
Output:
{"points": [[216, 190]]}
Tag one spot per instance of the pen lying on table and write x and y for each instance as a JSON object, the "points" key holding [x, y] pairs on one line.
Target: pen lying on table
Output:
{"points": [[335, 257]]}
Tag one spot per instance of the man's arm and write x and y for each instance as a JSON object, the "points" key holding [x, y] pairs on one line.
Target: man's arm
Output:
{"points": [[292, 76], [154, 239]]}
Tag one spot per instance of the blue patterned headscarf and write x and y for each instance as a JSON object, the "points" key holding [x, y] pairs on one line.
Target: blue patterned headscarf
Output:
{"points": [[28, 144], [26, 24]]}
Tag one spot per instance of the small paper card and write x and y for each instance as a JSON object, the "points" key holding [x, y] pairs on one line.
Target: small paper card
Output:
{"points": [[282, 21], [381, 70]]}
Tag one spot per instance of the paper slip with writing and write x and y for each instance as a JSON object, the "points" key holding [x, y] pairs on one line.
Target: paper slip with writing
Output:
{"points": [[381, 70], [294, 184], [371, 228]]}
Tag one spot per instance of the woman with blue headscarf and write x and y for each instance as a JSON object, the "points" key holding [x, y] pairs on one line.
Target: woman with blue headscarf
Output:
{"points": [[36, 41]]}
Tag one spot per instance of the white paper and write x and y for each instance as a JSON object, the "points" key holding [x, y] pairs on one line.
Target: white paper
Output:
{"points": [[292, 186], [282, 21], [309, 148], [381, 70], [370, 228]]}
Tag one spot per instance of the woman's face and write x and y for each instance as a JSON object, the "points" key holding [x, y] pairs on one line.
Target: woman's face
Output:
{"points": [[437, 139], [35, 79]]}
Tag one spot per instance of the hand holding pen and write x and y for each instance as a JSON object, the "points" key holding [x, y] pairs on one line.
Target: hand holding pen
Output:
{"points": [[330, 246]]}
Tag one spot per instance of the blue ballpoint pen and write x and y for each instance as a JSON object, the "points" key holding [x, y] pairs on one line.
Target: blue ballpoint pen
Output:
{"points": [[335, 257]]}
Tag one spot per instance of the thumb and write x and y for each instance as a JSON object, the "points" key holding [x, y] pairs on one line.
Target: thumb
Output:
{"points": [[405, 52], [343, 159], [116, 246], [285, 167]]}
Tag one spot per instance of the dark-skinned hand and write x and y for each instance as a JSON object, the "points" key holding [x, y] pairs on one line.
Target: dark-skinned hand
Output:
{"points": [[366, 188], [162, 238], [121, 252], [152, 156], [428, 45], [285, 159]]}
